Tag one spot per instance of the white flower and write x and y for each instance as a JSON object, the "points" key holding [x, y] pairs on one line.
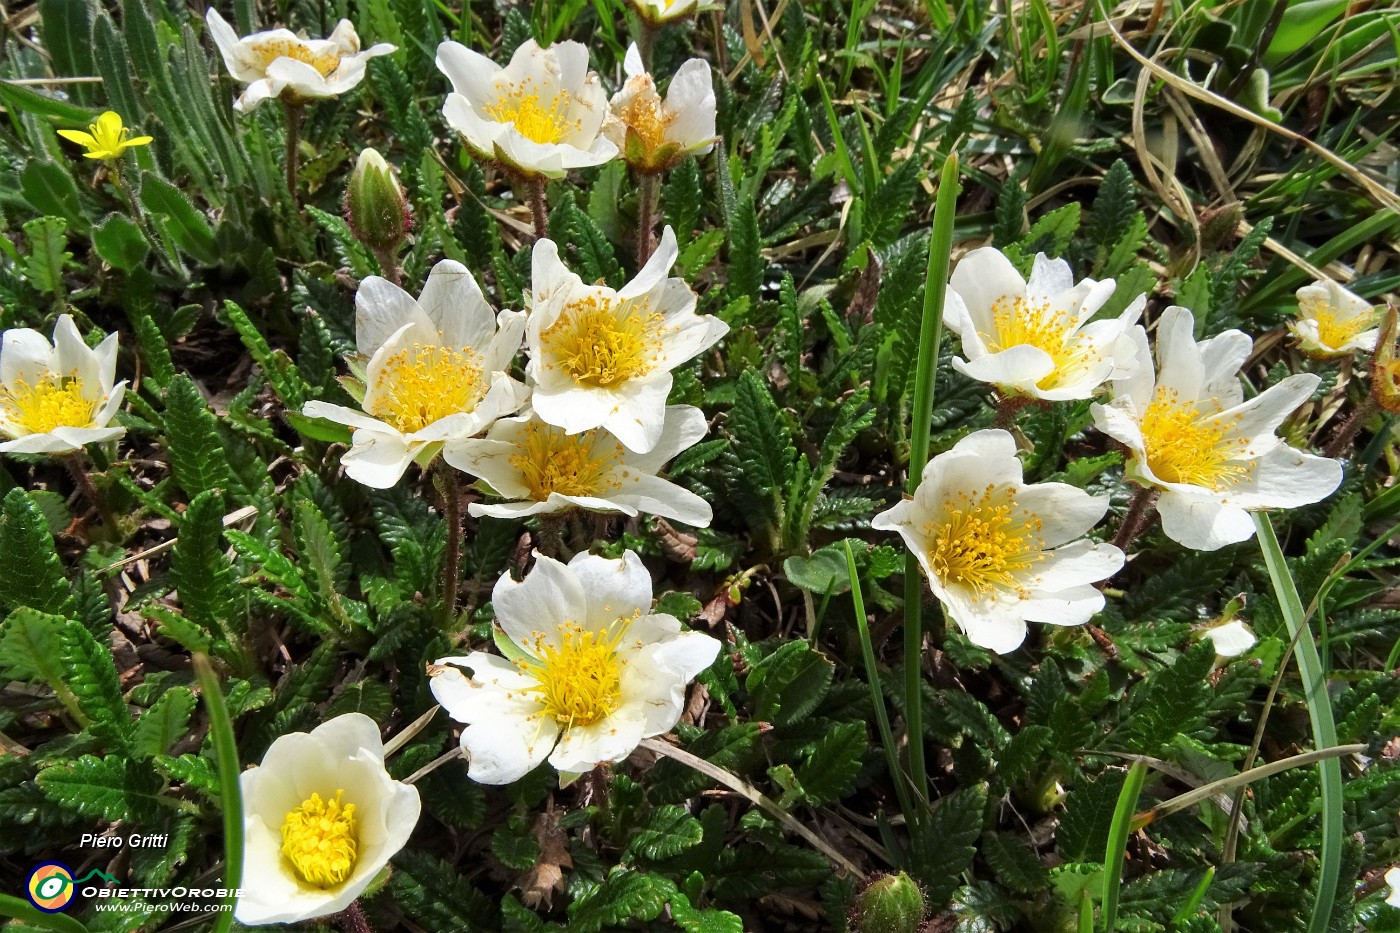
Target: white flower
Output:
{"points": [[1392, 878], [1191, 433], [653, 134], [542, 469], [279, 63], [1000, 552], [321, 818], [438, 371], [57, 397], [1333, 322], [1034, 339], [658, 12], [540, 115], [600, 357], [593, 670], [1231, 639]]}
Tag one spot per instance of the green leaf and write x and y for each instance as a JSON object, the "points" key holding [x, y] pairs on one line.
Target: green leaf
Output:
{"points": [[746, 263], [434, 893], [155, 349], [50, 189], [186, 225], [120, 243], [31, 649], [584, 243], [200, 569], [830, 770], [625, 896], [787, 685], [110, 788], [514, 846], [693, 920], [47, 256], [92, 677], [762, 455], [164, 724], [276, 366], [350, 252], [669, 831], [196, 451], [31, 915], [33, 574], [946, 842]]}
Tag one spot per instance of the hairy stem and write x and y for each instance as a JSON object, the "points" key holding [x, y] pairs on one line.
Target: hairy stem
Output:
{"points": [[1137, 518], [1341, 441], [648, 194], [77, 468], [293, 112], [352, 919], [538, 207], [450, 494]]}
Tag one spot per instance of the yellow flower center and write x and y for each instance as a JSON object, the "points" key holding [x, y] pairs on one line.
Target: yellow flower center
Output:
{"points": [[320, 841], [1018, 321], [600, 343], [269, 50], [534, 119], [55, 402], [1187, 445], [420, 385], [645, 117], [1336, 329], [984, 543], [580, 678], [550, 460]]}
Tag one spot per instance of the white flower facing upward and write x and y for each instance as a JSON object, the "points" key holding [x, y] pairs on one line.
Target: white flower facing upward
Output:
{"points": [[659, 12], [593, 670], [603, 358], [1231, 638], [56, 398], [654, 134], [539, 115], [999, 552], [437, 371], [1035, 339], [321, 818], [539, 468], [1191, 434], [279, 63], [1332, 322]]}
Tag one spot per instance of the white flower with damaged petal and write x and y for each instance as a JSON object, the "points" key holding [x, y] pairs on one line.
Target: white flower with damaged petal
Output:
{"points": [[1034, 339], [603, 358], [1000, 552], [1231, 638], [437, 371], [540, 115], [279, 63], [321, 818], [1191, 433], [56, 398], [593, 670], [654, 134], [1332, 322], [660, 12], [539, 469]]}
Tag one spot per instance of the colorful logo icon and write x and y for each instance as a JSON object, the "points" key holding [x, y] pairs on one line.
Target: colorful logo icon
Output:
{"points": [[51, 887]]}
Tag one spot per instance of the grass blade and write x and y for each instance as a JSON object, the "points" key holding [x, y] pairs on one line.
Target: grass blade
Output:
{"points": [[23, 910], [1118, 841], [1320, 713], [221, 729]]}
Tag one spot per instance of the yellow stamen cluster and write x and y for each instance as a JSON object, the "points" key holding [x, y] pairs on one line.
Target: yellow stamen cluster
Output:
{"points": [[580, 677], [420, 385], [1187, 445], [984, 543], [551, 460], [320, 840], [534, 119], [269, 50], [645, 116], [601, 342], [55, 402], [1018, 321], [1335, 329]]}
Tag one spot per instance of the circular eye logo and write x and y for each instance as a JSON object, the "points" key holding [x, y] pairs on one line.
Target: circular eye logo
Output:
{"points": [[50, 887]]}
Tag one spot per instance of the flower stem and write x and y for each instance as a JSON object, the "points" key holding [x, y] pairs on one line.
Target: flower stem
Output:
{"points": [[293, 112], [352, 919], [646, 43], [388, 264], [1137, 518], [1351, 427], [940, 246], [648, 193], [538, 207], [450, 495], [77, 468]]}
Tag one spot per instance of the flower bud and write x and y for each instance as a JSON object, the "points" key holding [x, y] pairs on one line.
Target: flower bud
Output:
{"points": [[1385, 364], [890, 904], [374, 204]]}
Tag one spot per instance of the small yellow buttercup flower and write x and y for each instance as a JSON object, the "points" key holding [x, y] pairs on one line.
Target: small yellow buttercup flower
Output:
{"points": [[106, 139]]}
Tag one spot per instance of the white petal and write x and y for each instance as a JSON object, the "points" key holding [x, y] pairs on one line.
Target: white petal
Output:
{"points": [[691, 98], [1285, 478], [1231, 639], [656, 496], [1072, 606], [612, 589], [1179, 364], [508, 734], [453, 301], [1077, 563], [991, 624], [72, 357], [377, 459], [549, 598], [471, 73], [1066, 512], [382, 309], [657, 267], [640, 413], [610, 739], [1200, 521], [1016, 368], [983, 277], [684, 427], [25, 355], [1050, 277]]}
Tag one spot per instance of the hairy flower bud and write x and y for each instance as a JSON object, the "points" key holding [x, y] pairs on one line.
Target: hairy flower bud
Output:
{"points": [[1385, 364], [890, 904], [374, 204]]}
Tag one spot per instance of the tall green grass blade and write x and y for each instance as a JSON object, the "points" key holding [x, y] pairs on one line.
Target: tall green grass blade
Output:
{"points": [[1324, 728], [1118, 833], [940, 246], [230, 794], [23, 910]]}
